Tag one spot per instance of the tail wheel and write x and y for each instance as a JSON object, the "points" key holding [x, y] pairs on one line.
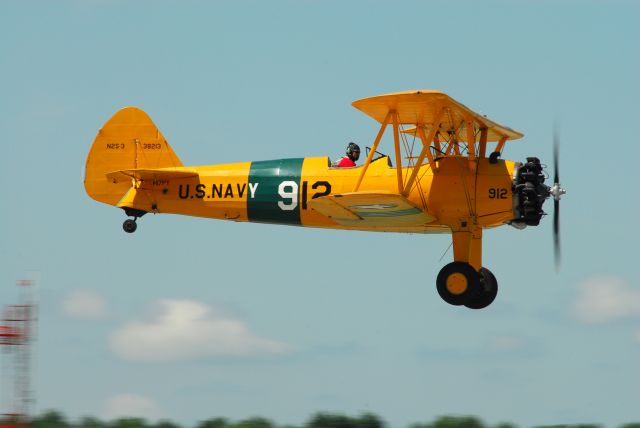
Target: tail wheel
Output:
{"points": [[130, 225], [458, 283], [488, 291]]}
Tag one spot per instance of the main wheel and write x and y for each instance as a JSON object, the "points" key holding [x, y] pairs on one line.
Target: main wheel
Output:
{"points": [[458, 283], [129, 225], [488, 291]]}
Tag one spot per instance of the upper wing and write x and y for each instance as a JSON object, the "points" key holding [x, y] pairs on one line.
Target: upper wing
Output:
{"points": [[370, 209], [124, 175], [421, 108]]}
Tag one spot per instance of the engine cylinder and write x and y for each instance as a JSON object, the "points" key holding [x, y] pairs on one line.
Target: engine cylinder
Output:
{"points": [[529, 193]]}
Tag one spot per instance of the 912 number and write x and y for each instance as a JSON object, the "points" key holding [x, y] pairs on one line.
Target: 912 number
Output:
{"points": [[288, 191], [497, 193]]}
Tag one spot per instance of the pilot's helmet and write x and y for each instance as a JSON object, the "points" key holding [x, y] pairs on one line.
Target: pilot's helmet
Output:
{"points": [[353, 151]]}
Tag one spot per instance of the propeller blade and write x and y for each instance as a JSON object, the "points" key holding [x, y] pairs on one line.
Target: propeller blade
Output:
{"points": [[556, 162], [556, 233], [557, 193]]}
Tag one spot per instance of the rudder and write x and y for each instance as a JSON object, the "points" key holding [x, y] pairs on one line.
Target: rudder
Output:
{"points": [[128, 140]]}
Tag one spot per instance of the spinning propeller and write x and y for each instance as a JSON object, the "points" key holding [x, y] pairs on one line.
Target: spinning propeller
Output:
{"points": [[556, 191]]}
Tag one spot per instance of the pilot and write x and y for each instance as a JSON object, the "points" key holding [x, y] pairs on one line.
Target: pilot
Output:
{"points": [[353, 153]]}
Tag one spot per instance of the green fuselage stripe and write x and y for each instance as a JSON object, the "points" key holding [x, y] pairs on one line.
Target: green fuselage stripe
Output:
{"points": [[276, 198]]}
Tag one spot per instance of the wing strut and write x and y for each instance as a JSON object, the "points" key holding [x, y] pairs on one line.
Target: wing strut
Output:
{"points": [[483, 142], [471, 139], [396, 144], [426, 151], [500, 145], [373, 150]]}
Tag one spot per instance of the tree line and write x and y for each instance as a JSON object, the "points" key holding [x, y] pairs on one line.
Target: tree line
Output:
{"points": [[55, 419]]}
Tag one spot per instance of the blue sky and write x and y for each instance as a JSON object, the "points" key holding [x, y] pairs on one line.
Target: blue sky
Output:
{"points": [[243, 319]]}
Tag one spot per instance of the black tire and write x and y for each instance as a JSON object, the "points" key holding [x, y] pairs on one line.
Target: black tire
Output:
{"points": [[488, 293], [457, 283], [129, 225]]}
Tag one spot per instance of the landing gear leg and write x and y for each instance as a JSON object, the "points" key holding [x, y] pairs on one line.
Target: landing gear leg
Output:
{"points": [[465, 281]]}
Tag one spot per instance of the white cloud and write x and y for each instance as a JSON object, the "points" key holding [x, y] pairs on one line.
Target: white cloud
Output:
{"points": [[605, 299], [86, 305], [186, 330], [131, 405]]}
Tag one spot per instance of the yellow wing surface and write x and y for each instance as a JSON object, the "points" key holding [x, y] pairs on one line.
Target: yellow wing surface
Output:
{"points": [[444, 126], [371, 209], [424, 107]]}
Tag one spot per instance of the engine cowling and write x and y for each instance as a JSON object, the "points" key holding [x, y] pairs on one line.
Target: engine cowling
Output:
{"points": [[529, 193]]}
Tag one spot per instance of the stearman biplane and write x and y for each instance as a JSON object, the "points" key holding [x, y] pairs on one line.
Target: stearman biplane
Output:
{"points": [[445, 175]]}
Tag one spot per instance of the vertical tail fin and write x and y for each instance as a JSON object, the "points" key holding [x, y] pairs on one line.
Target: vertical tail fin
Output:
{"points": [[128, 140]]}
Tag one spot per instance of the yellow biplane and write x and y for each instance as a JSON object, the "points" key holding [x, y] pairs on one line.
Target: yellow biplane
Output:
{"points": [[441, 178]]}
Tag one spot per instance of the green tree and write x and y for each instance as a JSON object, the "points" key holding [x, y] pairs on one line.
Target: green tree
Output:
{"points": [[571, 426], [328, 420], [452, 422], [165, 424], [50, 419], [369, 420], [505, 425], [213, 423], [91, 422], [255, 422], [129, 423]]}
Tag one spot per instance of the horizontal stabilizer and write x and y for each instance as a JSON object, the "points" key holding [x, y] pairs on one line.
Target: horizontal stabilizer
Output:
{"points": [[370, 209], [142, 174]]}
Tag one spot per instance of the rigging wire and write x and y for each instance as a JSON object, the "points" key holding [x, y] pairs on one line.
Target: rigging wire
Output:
{"points": [[410, 159], [446, 251], [464, 181]]}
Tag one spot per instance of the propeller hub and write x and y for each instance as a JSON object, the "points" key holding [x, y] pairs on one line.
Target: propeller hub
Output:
{"points": [[556, 191]]}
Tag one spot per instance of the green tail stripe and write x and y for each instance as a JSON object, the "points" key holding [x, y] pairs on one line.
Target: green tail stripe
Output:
{"points": [[277, 191]]}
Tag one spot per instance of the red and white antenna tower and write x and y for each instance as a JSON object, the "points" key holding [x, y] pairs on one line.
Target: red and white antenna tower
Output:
{"points": [[16, 336]]}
